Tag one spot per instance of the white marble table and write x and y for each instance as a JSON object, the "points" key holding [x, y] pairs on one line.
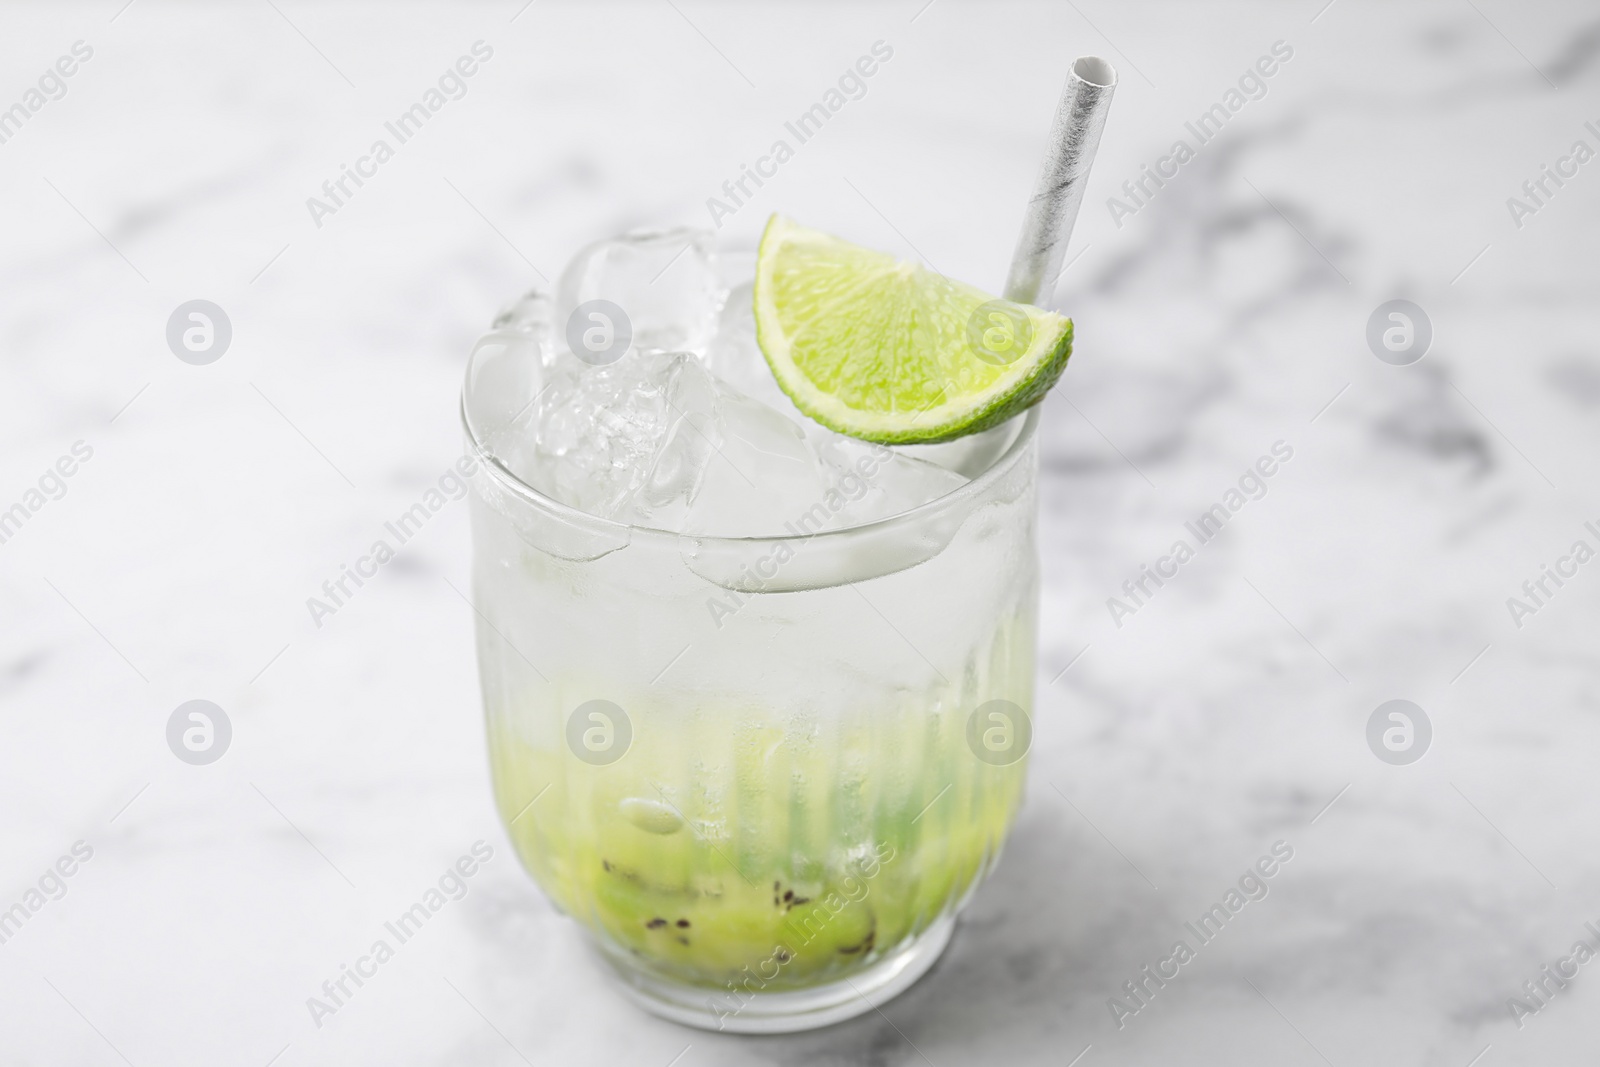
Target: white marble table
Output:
{"points": [[1227, 713]]}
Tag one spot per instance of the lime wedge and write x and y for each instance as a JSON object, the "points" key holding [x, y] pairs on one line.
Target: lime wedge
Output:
{"points": [[887, 351]]}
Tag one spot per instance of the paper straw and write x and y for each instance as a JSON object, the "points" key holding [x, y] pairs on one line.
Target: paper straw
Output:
{"points": [[1074, 136]]}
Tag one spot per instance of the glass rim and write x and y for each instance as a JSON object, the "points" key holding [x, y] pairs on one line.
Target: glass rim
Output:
{"points": [[596, 524]]}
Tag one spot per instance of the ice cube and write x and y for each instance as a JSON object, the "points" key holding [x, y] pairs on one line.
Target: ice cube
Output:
{"points": [[530, 311], [897, 481], [763, 476], [508, 366], [664, 281], [504, 375], [679, 465], [532, 316], [596, 431], [735, 356]]}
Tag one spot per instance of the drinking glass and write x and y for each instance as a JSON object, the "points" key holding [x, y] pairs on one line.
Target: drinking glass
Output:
{"points": [[762, 774]]}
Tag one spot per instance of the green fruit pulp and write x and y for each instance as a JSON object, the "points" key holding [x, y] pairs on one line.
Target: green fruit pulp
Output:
{"points": [[729, 844]]}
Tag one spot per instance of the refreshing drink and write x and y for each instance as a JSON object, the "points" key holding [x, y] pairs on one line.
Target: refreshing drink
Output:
{"points": [[758, 693]]}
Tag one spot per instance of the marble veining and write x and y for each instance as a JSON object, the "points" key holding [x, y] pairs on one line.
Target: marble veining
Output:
{"points": [[1228, 713]]}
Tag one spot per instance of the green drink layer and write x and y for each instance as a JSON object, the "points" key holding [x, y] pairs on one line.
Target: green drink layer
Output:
{"points": [[728, 842]]}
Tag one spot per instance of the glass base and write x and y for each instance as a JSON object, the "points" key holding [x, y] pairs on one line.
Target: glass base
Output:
{"points": [[786, 1012]]}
